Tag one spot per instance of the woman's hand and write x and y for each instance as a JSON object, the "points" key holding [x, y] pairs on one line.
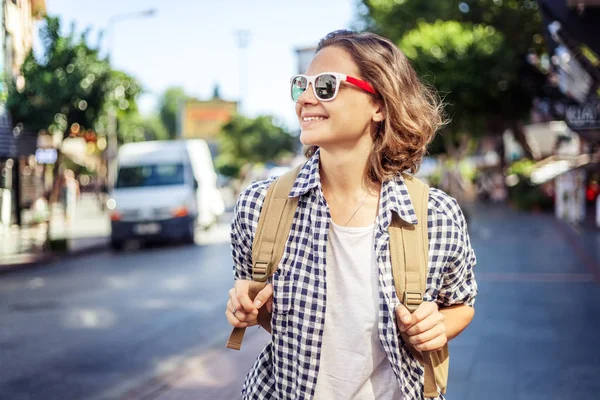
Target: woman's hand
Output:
{"points": [[425, 328], [245, 299]]}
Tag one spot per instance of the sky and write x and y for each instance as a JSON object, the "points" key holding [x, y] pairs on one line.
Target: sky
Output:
{"points": [[194, 44]]}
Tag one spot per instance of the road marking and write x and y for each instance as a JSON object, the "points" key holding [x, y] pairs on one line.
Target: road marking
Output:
{"points": [[533, 277]]}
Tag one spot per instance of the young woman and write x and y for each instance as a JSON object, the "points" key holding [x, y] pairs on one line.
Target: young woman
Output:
{"points": [[336, 320]]}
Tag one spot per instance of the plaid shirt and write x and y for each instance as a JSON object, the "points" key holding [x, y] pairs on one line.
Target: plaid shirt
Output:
{"points": [[288, 366]]}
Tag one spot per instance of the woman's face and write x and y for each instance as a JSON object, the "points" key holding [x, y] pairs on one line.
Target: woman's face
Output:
{"points": [[343, 121]]}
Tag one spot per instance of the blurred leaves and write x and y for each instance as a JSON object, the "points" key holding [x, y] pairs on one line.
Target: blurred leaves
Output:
{"points": [[474, 52], [452, 55], [137, 128], [169, 108], [245, 140], [518, 21], [69, 83]]}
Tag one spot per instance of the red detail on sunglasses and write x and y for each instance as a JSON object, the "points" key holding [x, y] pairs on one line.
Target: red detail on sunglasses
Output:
{"points": [[361, 84]]}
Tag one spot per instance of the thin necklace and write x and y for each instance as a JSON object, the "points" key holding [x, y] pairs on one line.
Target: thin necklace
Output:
{"points": [[357, 208]]}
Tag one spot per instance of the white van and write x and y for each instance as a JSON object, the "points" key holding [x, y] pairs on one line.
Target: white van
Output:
{"points": [[163, 189]]}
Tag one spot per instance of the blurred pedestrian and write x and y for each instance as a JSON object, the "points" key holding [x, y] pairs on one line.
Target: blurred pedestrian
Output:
{"points": [[70, 194], [366, 120]]}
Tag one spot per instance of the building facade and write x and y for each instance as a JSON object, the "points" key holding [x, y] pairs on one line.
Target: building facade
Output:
{"points": [[572, 31], [17, 21]]}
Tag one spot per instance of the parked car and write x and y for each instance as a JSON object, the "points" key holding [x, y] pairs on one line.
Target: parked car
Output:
{"points": [[163, 190]]}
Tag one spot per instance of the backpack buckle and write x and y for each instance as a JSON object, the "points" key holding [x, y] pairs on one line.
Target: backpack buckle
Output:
{"points": [[261, 271], [412, 300]]}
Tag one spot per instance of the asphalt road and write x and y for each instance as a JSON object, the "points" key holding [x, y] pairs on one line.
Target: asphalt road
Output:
{"points": [[90, 326], [100, 326]]}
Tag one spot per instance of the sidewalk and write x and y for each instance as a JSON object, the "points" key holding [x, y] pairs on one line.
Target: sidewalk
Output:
{"points": [[534, 335], [216, 374], [89, 230]]}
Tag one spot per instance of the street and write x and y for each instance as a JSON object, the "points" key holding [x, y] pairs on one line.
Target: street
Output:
{"points": [[107, 325], [75, 329]]}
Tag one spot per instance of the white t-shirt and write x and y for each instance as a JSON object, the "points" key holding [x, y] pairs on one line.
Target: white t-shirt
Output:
{"points": [[353, 363]]}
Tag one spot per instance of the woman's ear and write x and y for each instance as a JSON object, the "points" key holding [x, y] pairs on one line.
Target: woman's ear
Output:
{"points": [[379, 114]]}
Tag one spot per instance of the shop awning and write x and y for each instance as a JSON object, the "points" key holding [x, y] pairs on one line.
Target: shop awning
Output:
{"points": [[582, 27]]}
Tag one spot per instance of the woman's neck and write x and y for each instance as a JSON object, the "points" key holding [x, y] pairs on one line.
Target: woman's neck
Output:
{"points": [[342, 172], [352, 200]]}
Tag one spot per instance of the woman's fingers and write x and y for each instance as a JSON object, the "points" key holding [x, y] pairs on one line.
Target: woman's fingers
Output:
{"points": [[235, 303], [428, 323], [233, 320], [242, 289], [435, 344], [238, 317], [242, 310], [428, 335], [264, 296]]}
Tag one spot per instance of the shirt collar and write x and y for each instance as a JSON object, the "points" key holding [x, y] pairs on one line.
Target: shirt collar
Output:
{"points": [[308, 178], [393, 197]]}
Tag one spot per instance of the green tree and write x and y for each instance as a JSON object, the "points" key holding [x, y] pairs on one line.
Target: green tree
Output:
{"points": [[457, 53], [138, 128], [169, 108], [252, 140], [68, 89], [68, 84], [474, 52], [216, 91]]}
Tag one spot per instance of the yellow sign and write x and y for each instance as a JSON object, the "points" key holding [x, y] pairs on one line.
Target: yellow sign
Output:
{"points": [[204, 119]]}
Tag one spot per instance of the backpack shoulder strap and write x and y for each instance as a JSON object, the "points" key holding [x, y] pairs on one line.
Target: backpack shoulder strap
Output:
{"points": [[274, 224], [270, 238], [409, 246], [409, 249]]}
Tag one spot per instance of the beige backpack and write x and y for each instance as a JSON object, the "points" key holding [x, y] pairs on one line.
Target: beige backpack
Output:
{"points": [[409, 268]]}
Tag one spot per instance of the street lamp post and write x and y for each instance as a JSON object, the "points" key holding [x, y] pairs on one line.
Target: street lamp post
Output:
{"points": [[112, 143], [243, 36]]}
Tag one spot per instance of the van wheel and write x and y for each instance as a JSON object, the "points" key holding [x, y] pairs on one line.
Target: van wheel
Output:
{"points": [[116, 245], [190, 236]]}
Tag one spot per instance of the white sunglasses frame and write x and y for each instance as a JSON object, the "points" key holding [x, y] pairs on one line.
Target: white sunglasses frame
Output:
{"points": [[310, 79]]}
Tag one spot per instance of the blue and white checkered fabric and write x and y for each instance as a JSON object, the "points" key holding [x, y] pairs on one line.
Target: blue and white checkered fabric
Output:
{"points": [[288, 366]]}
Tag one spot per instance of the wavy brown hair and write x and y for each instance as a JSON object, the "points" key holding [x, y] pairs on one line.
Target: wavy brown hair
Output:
{"points": [[413, 111]]}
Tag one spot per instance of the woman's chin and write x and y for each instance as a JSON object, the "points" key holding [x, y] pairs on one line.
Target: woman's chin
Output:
{"points": [[309, 138]]}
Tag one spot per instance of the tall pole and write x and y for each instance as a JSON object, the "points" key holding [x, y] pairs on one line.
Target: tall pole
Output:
{"points": [[243, 36], [111, 129]]}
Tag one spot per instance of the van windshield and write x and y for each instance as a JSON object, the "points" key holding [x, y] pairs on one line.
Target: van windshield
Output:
{"points": [[150, 175]]}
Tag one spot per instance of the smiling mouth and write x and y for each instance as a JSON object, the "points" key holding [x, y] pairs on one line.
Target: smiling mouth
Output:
{"points": [[310, 119]]}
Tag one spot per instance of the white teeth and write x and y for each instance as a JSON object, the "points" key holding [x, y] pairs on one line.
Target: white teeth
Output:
{"points": [[313, 118]]}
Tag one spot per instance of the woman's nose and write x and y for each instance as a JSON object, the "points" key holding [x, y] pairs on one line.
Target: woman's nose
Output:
{"points": [[308, 96]]}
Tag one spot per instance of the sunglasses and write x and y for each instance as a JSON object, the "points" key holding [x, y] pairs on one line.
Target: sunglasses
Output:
{"points": [[326, 85]]}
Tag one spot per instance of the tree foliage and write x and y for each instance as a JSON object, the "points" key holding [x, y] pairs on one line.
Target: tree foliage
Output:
{"points": [[69, 84], [245, 140], [138, 128], [519, 21], [169, 108], [458, 53], [473, 51]]}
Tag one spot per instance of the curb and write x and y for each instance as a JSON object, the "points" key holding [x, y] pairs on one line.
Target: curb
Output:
{"points": [[47, 259]]}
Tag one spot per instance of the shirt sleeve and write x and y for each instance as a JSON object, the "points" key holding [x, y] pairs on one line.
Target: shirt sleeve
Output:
{"points": [[459, 285], [245, 221], [241, 249]]}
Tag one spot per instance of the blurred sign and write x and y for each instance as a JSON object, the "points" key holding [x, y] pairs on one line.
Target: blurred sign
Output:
{"points": [[305, 56], [204, 119], [584, 3], [583, 116], [46, 156], [5, 207], [44, 141], [570, 196]]}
